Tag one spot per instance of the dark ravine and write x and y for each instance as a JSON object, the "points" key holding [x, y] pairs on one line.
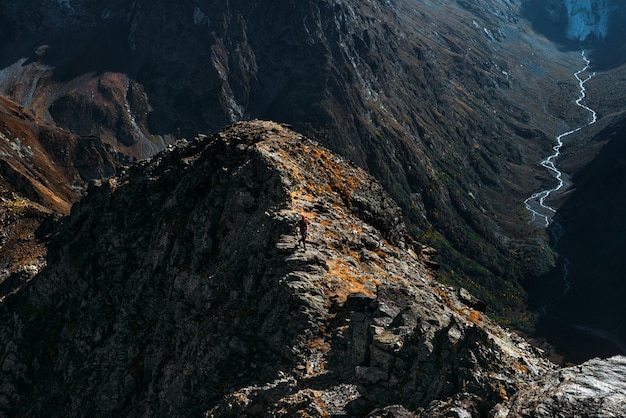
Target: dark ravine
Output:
{"points": [[178, 289], [589, 317]]}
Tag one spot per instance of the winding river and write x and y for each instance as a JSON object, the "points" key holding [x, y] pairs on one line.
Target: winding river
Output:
{"points": [[543, 216], [542, 213]]}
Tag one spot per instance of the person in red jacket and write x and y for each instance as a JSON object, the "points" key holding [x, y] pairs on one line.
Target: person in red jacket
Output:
{"points": [[303, 226]]}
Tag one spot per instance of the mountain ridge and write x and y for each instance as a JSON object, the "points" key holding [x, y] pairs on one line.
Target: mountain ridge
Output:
{"points": [[200, 301], [458, 91], [450, 104]]}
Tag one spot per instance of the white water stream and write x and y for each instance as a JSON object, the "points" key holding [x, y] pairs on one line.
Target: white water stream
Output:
{"points": [[541, 212]]}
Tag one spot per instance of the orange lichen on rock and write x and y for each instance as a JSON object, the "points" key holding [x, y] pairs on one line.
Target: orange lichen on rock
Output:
{"points": [[521, 367], [475, 317], [345, 279], [320, 344]]}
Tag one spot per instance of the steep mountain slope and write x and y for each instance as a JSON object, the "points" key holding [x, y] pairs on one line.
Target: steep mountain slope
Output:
{"points": [[43, 171], [34, 183], [449, 104], [179, 289], [28, 167]]}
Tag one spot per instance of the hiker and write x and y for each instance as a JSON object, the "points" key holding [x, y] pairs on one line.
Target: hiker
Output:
{"points": [[302, 225]]}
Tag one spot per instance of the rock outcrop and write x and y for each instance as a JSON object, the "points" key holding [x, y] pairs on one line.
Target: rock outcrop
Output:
{"points": [[596, 388]]}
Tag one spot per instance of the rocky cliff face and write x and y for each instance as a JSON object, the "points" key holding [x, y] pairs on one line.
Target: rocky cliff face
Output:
{"points": [[179, 289]]}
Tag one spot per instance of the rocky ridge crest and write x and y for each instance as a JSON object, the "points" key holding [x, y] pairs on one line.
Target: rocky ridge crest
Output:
{"points": [[179, 289]]}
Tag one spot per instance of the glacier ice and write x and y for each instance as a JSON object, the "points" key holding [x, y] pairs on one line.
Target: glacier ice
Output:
{"points": [[587, 18], [64, 3]]}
